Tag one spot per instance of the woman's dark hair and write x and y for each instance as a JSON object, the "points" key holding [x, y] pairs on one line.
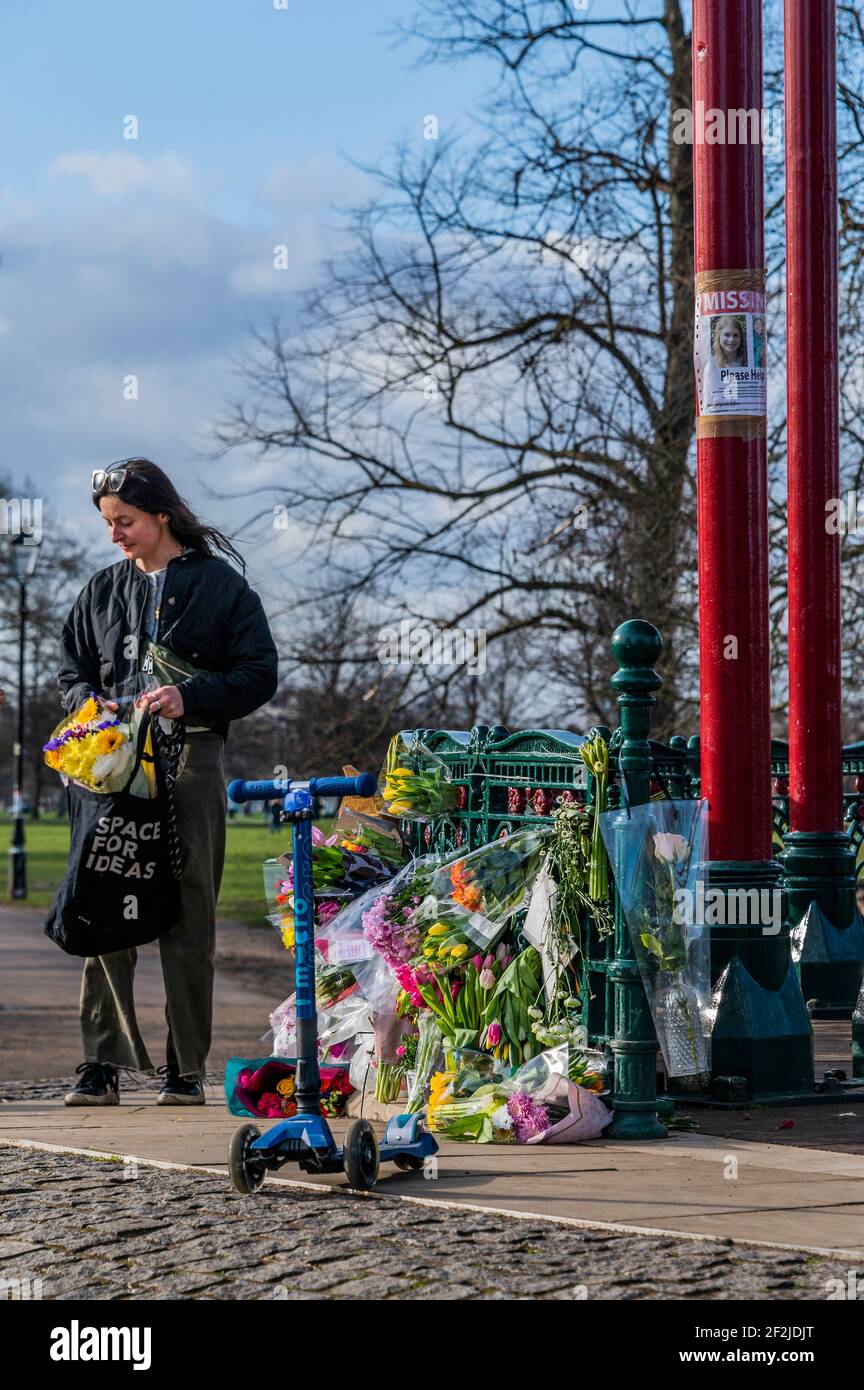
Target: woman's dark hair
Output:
{"points": [[146, 487]]}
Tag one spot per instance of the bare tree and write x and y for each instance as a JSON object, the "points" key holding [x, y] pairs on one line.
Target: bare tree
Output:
{"points": [[487, 412]]}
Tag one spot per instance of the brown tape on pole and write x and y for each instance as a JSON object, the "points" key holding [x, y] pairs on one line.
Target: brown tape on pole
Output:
{"points": [[730, 427], [708, 280]]}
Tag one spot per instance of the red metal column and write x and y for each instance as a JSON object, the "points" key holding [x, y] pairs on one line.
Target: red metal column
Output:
{"points": [[818, 861], [732, 471], [815, 782]]}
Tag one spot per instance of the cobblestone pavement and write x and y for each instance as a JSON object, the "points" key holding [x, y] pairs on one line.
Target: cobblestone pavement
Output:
{"points": [[94, 1229]]}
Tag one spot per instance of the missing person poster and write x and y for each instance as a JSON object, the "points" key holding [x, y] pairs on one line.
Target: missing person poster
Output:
{"points": [[729, 350]]}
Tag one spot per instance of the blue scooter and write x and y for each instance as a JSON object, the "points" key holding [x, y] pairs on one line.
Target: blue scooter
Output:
{"points": [[306, 1138]]}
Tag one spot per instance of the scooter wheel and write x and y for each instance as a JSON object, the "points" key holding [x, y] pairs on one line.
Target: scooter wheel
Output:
{"points": [[361, 1156], [247, 1176], [409, 1163]]}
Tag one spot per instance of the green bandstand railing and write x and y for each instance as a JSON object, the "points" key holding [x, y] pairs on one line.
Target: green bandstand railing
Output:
{"points": [[506, 780]]}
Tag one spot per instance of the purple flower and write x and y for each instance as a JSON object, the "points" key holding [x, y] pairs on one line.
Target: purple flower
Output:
{"points": [[529, 1118], [395, 939]]}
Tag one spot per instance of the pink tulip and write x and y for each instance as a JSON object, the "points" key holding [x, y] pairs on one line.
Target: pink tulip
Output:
{"points": [[489, 961], [493, 1034], [454, 990], [487, 979], [477, 961]]}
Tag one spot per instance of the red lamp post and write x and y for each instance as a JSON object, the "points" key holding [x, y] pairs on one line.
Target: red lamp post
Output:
{"points": [[759, 982], [818, 861]]}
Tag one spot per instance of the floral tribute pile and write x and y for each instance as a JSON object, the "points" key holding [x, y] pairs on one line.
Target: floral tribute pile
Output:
{"points": [[455, 982], [429, 985]]}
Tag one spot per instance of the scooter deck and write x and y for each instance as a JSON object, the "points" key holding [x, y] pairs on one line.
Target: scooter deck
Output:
{"points": [[308, 1141]]}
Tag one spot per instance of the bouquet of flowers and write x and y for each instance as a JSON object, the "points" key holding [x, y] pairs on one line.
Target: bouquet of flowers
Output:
{"points": [[457, 992], [509, 1015], [367, 834], [93, 748], [659, 854], [342, 870], [269, 1090], [538, 1101], [414, 795], [481, 891]]}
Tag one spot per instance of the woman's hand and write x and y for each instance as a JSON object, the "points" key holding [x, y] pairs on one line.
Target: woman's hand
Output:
{"points": [[166, 701]]}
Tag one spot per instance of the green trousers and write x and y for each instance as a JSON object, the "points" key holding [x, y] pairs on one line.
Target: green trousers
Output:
{"points": [[108, 1023]]}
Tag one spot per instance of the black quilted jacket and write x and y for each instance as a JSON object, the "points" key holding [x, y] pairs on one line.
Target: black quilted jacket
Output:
{"points": [[208, 615]]}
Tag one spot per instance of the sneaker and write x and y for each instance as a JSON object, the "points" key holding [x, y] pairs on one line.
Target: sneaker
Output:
{"points": [[179, 1090], [98, 1085]]}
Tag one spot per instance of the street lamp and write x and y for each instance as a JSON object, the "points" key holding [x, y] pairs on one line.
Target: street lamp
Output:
{"points": [[25, 555]]}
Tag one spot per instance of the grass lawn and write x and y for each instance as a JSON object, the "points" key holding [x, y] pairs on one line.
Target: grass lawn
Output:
{"points": [[249, 843]]}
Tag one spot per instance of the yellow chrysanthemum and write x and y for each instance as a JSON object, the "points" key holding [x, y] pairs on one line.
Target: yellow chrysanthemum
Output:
{"points": [[89, 710]]}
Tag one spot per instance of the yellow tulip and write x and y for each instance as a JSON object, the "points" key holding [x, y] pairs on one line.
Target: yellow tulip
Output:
{"points": [[439, 929], [458, 951], [400, 808]]}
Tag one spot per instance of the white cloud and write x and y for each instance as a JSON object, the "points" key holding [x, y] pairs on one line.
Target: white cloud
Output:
{"points": [[124, 172]]}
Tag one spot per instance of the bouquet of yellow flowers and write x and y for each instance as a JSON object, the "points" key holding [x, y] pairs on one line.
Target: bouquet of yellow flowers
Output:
{"points": [[415, 795], [93, 748]]}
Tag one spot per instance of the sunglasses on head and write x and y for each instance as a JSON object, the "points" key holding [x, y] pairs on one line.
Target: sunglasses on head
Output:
{"points": [[112, 478]]}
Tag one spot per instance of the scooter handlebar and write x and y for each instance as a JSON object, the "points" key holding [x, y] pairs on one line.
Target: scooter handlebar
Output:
{"points": [[364, 784]]}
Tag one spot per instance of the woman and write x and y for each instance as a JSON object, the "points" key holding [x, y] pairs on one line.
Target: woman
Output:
{"points": [[719, 383], [171, 607]]}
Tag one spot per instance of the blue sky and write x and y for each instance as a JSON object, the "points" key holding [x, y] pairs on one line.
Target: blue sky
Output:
{"points": [[151, 257]]}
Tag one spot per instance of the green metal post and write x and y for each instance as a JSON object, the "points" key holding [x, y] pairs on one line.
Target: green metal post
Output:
{"points": [[636, 646]]}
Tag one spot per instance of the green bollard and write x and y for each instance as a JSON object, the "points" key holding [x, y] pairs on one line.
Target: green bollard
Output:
{"points": [[636, 646]]}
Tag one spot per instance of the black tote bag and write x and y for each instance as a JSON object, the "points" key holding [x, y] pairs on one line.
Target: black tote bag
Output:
{"points": [[121, 886]]}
